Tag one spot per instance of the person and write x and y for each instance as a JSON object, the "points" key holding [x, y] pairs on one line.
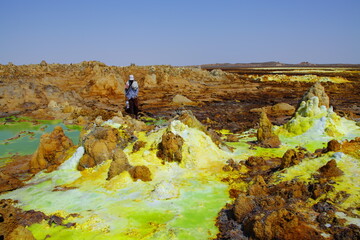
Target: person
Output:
{"points": [[131, 93]]}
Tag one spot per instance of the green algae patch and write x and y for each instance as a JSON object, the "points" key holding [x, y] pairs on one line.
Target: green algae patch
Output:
{"points": [[74, 127], [154, 121], [44, 231]]}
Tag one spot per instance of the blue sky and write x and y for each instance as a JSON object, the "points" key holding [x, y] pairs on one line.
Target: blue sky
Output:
{"points": [[151, 32]]}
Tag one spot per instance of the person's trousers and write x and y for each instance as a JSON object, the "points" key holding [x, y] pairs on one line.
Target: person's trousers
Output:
{"points": [[133, 106]]}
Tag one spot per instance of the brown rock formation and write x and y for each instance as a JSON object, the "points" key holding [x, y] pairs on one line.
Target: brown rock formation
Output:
{"points": [[262, 166], [352, 147], [50, 152], [317, 90], [330, 169], [119, 164], [13, 220], [8, 182], [138, 145], [283, 224], [21, 232], [105, 143], [243, 206], [14, 173], [276, 110], [99, 146], [282, 109], [86, 162], [259, 187], [140, 172], [265, 134], [290, 158], [170, 147], [280, 214], [333, 146]]}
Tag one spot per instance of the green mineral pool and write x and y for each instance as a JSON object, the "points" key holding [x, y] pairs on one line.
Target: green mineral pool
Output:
{"points": [[21, 136]]}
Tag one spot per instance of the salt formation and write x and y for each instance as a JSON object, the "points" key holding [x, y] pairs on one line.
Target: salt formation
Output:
{"points": [[198, 149], [317, 90], [314, 117], [165, 190]]}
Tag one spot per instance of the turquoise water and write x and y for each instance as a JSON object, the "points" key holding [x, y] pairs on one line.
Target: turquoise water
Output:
{"points": [[22, 136]]}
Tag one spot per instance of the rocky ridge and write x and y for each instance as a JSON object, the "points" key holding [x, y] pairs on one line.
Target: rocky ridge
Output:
{"points": [[78, 93]]}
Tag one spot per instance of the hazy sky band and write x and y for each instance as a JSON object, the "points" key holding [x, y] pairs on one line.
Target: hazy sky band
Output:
{"points": [[179, 32]]}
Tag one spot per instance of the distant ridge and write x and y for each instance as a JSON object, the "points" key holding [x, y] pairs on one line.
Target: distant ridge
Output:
{"points": [[273, 64]]}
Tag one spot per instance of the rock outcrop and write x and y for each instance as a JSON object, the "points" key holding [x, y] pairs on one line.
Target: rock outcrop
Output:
{"points": [[279, 214], [99, 146], [50, 152], [265, 134], [279, 109], [138, 145], [119, 164], [170, 147], [243, 206], [8, 182], [333, 146], [181, 100], [351, 147], [97, 89], [140, 172], [13, 221], [330, 169], [290, 158], [21, 232]]}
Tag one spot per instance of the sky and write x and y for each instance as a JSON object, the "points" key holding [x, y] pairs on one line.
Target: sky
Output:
{"points": [[178, 33]]}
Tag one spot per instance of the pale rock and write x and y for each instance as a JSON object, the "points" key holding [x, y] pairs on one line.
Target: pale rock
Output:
{"points": [[164, 190], [180, 99], [150, 80], [99, 120], [53, 106]]}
